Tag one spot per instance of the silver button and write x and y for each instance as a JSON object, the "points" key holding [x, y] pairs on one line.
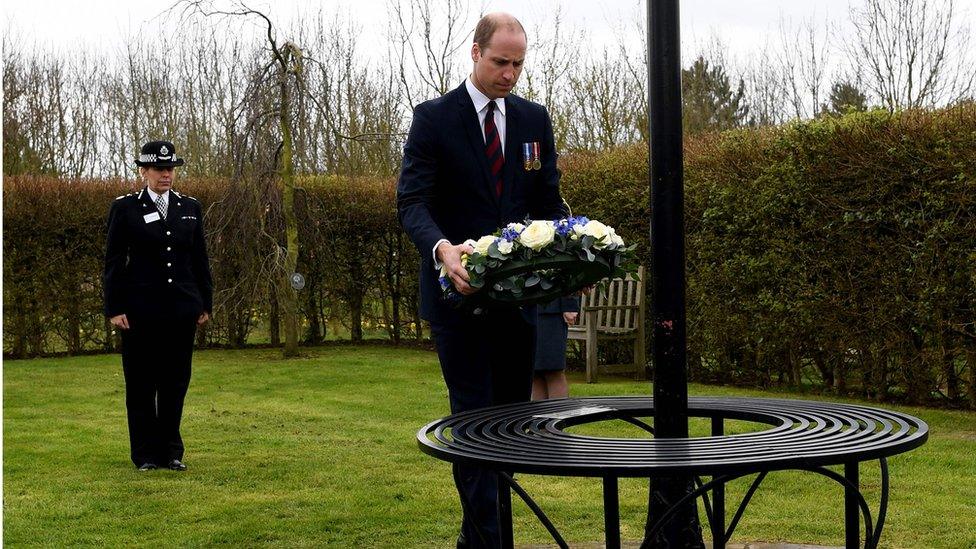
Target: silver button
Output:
{"points": [[168, 233], [168, 248], [169, 264], [170, 280]]}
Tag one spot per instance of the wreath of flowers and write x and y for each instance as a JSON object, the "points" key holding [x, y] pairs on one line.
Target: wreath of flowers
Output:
{"points": [[538, 261]]}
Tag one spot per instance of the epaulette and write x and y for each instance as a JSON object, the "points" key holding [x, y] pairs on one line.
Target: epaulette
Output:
{"points": [[178, 195], [124, 195]]}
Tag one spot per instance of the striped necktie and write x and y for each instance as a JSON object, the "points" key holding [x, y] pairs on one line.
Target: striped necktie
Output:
{"points": [[493, 149]]}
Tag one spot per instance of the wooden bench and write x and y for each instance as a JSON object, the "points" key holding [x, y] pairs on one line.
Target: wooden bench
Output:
{"points": [[618, 314]]}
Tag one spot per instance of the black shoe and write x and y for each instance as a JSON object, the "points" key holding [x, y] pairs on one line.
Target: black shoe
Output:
{"points": [[148, 466], [176, 465]]}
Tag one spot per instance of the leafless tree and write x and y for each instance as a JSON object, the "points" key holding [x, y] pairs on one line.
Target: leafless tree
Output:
{"points": [[914, 52], [634, 60], [546, 67], [282, 72], [802, 64], [427, 38], [600, 102], [350, 114], [50, 106], [767, 104]]}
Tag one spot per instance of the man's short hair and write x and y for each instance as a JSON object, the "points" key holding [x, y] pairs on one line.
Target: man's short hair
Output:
{"points": [[490, 23]]}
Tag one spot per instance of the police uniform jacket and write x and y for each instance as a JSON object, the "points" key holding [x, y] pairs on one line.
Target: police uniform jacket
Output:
{"points": [[156, 267]]}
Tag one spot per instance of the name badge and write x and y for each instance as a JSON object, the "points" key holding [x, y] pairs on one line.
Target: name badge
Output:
{"points": [[151, 217]]}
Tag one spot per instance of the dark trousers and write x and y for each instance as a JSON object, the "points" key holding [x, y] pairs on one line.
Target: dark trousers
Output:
{"points": [[486, 360], [156, 356]]}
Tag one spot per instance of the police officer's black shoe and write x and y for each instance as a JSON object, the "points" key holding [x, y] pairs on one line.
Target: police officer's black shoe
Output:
{"points": [[148, 466], [176, 465]]}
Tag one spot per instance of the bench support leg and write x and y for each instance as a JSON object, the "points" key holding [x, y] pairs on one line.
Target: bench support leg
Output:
{"points": [[718, 496], [611, 512], [506, 533], [639, 354], [591, 356], [852, 524]]}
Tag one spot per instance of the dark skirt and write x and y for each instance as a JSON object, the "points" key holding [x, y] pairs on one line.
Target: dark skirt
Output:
{"points": [[550, 342]]}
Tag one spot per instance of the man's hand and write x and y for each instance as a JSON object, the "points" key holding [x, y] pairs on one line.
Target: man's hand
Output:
{"points": [[120, 321], [450, 256], [570, 318], [204, 317]]}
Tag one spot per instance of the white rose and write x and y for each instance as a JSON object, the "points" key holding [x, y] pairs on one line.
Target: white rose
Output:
{"points": [[599, 232], [577, 231], [505, 247], [538, 234], [517, 227], [615, 239], [481, 245]]}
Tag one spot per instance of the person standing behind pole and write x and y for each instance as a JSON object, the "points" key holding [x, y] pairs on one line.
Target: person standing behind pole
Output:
{"points": [[158, 289], [551, 332], [476, 159]]}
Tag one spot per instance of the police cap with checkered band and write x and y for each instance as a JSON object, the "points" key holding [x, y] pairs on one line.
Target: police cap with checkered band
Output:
{"points": [[158, 154]]}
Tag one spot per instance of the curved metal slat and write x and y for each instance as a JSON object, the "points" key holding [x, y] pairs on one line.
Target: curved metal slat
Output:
{"points": [[532, 437]]}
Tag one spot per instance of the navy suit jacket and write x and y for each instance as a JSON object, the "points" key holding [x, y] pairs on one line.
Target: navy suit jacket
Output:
{"points": [[445, 189]]}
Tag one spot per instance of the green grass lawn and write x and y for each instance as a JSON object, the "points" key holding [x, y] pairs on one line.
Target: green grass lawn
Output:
{"points": [[320, 452]]}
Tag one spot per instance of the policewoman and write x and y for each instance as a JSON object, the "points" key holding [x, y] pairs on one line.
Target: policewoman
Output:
{"points": [[158, 289]]}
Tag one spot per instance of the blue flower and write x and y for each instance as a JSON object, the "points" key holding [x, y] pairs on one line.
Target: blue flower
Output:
{"points": [[510, 234], [445, 282], [564, 227]]}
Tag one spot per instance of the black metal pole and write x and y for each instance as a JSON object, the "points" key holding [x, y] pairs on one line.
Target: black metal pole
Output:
{"points": [[668, 266], [667, 221]]}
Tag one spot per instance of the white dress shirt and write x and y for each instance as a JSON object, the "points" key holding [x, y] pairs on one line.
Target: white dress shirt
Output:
{"points": [[480, 101], [153, 196]]}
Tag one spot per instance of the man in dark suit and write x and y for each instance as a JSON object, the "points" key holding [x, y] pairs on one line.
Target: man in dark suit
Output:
{"points": [[475, 160], [158, 289]]}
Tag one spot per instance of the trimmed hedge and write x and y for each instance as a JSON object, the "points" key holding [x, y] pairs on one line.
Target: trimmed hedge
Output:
{"points": [[838, 253], [359, 267]]}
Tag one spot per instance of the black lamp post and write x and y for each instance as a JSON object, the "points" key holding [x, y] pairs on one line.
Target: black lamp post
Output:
{"points": [[668, 266]]}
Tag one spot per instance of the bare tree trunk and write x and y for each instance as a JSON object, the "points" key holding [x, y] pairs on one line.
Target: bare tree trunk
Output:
{"points": [[971, 364], [289, 295], [314, 334], [274, 322]]}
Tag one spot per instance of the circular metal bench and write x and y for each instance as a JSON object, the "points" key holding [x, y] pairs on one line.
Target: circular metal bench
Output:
{"points": [[803, 435]]}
